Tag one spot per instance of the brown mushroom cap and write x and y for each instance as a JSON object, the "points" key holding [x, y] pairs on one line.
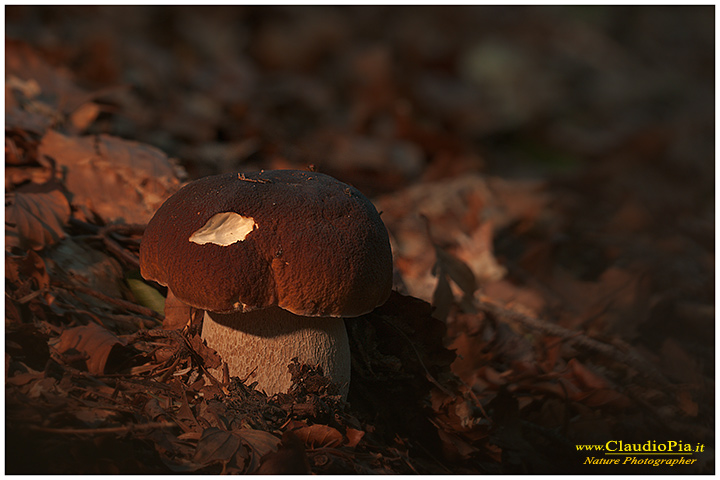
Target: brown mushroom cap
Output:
{"points": [[310, 244]]}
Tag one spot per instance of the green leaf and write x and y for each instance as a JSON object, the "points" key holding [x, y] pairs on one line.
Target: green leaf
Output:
{"points": [[146, 295]]}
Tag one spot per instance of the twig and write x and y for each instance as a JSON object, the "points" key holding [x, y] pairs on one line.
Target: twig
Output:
{"points": [[116, 249], [241, 176], [184, 342], [106, 235], [124, 228], [97, 431], [30, 296], [169, 370]]}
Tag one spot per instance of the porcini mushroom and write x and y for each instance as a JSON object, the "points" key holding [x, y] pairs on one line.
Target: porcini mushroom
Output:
{"points": [[276, 259]]}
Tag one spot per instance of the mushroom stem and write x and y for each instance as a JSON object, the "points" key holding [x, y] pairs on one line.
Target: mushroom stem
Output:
{"points": [[263, 343]]}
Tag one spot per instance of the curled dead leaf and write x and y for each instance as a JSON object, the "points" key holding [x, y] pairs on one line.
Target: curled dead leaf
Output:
{"points": [[84, 116], [353, 437], [457, 270], [93, 341], [316, 436], [34, 218]]}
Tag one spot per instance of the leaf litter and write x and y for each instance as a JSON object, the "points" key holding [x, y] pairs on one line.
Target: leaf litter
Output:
{"points": [[553, 286]]}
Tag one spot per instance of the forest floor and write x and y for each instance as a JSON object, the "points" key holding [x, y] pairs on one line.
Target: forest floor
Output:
{"points": [[547, 177]]}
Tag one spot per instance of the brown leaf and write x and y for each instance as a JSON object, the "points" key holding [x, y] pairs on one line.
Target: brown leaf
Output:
{"points": [[353, 436], [117, 179], [442, 297], [686, 403], [153, 409], [34, 218], [258, 440], [216, 446], [22, 113], [455, 447], [94, 417], [177, 313], [290, 459], [587, 378], [37, 93], [185, 417], [604, 397], [93, 341], [84, 116], [316, 436], [221, 446], [210, 357], [31, 265], [56, 83], [457, 270]]}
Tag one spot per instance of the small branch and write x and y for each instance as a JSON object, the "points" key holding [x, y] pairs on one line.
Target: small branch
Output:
{"points": [[106, 235], [124, 229], [116, 249], [97, 431], [241, 176]]}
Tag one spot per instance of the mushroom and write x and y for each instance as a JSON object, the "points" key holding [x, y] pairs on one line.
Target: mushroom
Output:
{"points": [[276, 259]]}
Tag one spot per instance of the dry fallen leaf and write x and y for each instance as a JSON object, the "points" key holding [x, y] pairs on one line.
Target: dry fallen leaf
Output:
{"points": [[317, 436], [452, 208], [93, 341], [177, 314], [457, 270], [353, 436], [30, 265], [118, 180], [290, 458], [56, 83], [216, 446], [259, 442], [21, 111], [34, 217], [585, 377], [224, 447], [40, 95]]}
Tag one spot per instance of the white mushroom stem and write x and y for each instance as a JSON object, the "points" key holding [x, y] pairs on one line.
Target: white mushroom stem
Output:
{"points": [[260, 344]]}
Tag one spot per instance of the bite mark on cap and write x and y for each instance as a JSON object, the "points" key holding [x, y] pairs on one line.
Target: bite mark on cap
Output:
{"points": [[224, 229]]}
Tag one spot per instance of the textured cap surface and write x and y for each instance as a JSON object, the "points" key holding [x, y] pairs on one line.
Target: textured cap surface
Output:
{"points": [[304, 241]]}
